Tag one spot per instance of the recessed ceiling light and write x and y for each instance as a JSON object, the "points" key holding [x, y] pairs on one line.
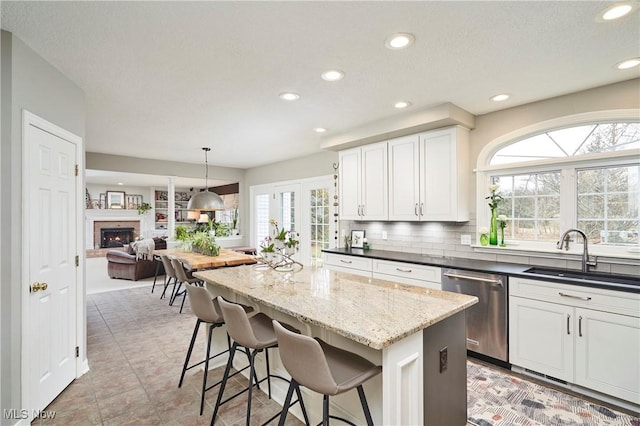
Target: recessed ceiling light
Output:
{"points": [[399, 41], [500, 97], [628, 63], [401, 104], [120, 183], [289, 96], [319, 130], [332, 75], [617, 11]]}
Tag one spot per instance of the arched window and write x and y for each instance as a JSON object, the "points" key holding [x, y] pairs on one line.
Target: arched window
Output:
{"points": [[585, 177]]}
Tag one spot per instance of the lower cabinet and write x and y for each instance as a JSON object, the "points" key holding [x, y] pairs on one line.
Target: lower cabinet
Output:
{"points": [[585, 336], [408, 273], [399, 272]]}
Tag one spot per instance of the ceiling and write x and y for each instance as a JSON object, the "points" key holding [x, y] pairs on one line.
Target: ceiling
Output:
{"points": [[107, 178], [163, 79]]}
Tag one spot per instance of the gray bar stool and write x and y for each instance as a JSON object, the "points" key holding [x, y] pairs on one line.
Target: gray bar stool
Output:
{"points": [[322, 368], [206, 311], [255, 334], [182, 278], [169, 274]]}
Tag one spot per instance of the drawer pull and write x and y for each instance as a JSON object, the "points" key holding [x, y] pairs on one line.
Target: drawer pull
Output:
{"points": [[568, 320], [415, 210], [345, 261], [403, 270], [573, 297]]}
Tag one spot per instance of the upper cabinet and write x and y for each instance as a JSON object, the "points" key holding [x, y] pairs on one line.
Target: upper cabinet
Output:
{"points": [[364, 183], [429, 176]]}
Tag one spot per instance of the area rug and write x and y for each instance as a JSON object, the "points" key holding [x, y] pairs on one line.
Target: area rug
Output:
{"points": [[497, 399]]}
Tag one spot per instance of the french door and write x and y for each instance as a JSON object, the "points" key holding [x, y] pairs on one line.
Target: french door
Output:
{"points": [[301, 206]]}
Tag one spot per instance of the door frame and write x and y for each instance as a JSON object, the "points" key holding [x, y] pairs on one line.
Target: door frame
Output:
{"points": [[82, 366]]}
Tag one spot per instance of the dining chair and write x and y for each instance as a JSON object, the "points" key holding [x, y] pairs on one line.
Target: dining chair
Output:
{"points": [[169, 274]]}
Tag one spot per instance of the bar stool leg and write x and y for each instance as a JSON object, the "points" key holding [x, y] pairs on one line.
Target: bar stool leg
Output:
{"points": [[365, 406], [224, 382], [304, 411], [287, 404], [325, 410], [186, 361], [252, 373], [266, 353], [206, 370]]}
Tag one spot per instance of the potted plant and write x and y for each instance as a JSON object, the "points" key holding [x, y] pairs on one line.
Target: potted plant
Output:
{"points": [[234, 222], [144, 208]]}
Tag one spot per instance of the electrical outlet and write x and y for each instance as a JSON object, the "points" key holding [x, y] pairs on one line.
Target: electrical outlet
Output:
{"points": [[444, 358], [465, 240], [384, 235]]}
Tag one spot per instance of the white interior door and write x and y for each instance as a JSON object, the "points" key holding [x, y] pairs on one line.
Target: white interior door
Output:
{"points": [[49, 336]]}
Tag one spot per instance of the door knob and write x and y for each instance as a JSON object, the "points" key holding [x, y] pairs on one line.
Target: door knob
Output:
{"points": [[38, 286]]}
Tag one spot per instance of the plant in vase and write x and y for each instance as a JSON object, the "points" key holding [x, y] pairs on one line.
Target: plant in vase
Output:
{"points": [[292, 243], [484, 236], [502, 222], [494, 202], [267, 248], [234, 222]]}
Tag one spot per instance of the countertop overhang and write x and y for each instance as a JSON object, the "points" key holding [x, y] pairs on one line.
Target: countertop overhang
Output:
{"points": [[511, 269], [372, 312]]}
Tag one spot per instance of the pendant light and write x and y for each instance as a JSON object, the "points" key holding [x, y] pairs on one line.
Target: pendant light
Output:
{"points": [[206, 200]]}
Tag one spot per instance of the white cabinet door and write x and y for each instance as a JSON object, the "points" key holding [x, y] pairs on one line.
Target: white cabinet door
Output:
{"points": [[444, 175], [374, 182], [404, 178], [541, 337], [607, 353], [349, 180]]}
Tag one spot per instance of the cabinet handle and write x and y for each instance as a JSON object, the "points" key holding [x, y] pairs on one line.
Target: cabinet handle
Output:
{"points": [[403, 270], [568, 321], [345, 261], [421, 209], [580, 326], [364, 212], [415, 209], [573, 297], [359, 207]]}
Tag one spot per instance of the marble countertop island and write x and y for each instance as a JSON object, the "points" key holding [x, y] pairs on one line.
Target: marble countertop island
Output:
{"points": [[372, 312]]}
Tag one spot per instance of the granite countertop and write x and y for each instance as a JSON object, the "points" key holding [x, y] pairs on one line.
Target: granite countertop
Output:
{"points": [[625, 283], [373, 312]]}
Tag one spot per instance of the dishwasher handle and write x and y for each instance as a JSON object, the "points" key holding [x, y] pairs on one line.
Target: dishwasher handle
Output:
{"points": [[472, 278]]}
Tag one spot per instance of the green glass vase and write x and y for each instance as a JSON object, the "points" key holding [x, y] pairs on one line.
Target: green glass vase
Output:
{"points": [[493, 230], [484, 239]]}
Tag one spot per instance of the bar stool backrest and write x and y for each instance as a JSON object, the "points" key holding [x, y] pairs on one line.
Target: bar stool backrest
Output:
{"points": [[168, 268], [179, 270], [238, 325], [202, 305], [303, 358]]}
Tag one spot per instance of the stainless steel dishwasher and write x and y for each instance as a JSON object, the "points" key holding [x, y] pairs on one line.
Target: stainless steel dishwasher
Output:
{"points": [[486, 320]]}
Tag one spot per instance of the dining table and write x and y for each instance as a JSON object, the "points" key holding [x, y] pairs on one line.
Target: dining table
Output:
{"points": [[197, 261]]}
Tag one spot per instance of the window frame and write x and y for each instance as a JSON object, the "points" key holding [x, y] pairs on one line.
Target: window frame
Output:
{"points": [[567, 166]]}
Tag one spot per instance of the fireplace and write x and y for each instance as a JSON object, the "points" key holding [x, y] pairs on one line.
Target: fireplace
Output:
{"points": [[115, 237]]}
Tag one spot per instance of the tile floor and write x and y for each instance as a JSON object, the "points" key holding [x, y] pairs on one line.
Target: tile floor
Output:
{"points": [[136, 348]]}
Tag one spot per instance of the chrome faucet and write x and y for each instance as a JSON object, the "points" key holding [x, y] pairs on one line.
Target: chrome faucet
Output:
{"points": [[586, 261]]}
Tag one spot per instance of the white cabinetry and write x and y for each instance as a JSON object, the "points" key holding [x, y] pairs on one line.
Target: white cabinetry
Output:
{"points": [[408, 273], [429, 176], [586, 336], [363, 183], [350, 264]]}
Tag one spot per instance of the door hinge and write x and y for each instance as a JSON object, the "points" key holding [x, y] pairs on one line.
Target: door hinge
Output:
{"points": [[77, 171], [77, 261], [77, 351]]}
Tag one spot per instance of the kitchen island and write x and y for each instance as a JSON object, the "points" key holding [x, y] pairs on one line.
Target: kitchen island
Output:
{"points": [[416, 334]]}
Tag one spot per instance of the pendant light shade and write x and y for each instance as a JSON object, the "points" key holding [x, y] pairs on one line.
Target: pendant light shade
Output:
{"points": [[206, 200]]}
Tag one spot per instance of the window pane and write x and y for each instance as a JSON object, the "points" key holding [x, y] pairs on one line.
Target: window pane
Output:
{"points": [[319, 222], [569, 142], [533, 207], [608, 208], [261, 203]]}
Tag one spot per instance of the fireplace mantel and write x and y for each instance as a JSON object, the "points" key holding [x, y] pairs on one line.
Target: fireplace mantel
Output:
{"points": [[111, 218]]}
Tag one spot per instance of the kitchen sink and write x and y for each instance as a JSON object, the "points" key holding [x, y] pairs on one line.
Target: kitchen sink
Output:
{"points": [[585, 276]]}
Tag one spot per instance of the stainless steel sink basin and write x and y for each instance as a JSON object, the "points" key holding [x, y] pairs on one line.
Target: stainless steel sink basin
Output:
{"points": [[585, 276]]}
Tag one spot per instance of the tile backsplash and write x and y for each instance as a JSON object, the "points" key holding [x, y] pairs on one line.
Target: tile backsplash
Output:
{"points": [[443, 239]]}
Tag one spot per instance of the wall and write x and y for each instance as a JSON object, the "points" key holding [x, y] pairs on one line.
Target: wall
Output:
{"points": [[443, 239], [30, 83]]}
